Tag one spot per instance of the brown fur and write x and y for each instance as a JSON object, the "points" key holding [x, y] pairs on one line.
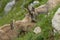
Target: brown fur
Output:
{"points": [[5, 27], [25, 24], [45, 8]]}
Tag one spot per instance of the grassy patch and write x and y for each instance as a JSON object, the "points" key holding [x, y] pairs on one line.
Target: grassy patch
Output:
{"points": [[17, 13]]}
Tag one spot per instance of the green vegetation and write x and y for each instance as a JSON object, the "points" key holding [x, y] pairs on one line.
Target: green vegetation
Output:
{"points": [[17, 13]]}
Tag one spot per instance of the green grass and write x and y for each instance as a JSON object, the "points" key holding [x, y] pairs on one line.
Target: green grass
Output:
{"points": [[17, 13]]}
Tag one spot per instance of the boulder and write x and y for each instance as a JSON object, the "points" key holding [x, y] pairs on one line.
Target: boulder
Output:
{"points": [[56, 20], [9, 6]]}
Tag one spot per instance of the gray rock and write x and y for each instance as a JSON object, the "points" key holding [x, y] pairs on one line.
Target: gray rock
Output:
{"points": [[52, 3], [56, 20], [9, 6]]}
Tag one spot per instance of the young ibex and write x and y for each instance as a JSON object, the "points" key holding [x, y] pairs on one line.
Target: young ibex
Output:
{"points": [[25, 24]]}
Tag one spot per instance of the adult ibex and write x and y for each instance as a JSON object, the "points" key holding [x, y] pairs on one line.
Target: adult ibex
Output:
{"points": [[45, 8]]}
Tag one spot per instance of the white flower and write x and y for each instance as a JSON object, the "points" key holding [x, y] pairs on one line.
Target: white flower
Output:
{"points": [[37, 30]]}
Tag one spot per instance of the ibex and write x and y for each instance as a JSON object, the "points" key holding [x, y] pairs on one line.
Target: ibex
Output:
{"points": [[44, 9], [25, 24], [34, 12]]}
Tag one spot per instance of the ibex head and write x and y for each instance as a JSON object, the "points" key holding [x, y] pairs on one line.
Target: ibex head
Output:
{"points": [[31, 11]]}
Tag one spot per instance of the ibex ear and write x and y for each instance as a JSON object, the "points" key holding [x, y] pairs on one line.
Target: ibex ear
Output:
{"points": [[29, 9], [12, 24]]}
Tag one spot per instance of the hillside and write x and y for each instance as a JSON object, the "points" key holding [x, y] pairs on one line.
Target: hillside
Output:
{"points": [[18, 13]]}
